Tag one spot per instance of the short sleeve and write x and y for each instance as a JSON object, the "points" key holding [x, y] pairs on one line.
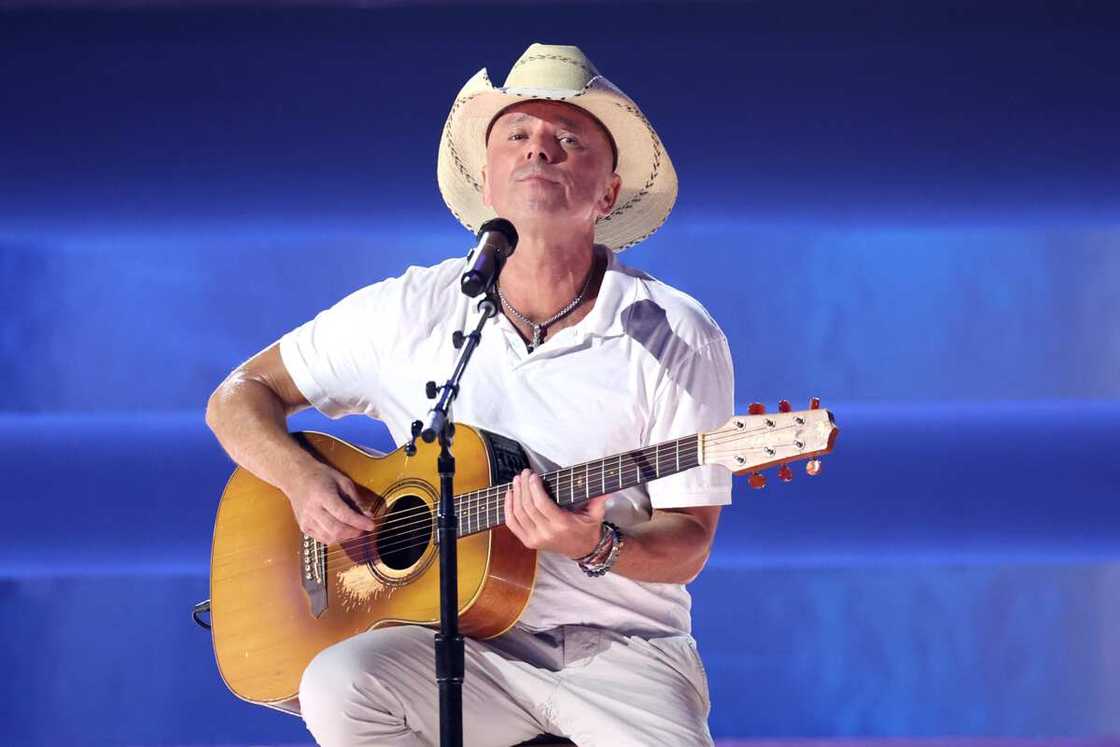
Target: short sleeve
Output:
{"points": [[697, 395], [334, 358]]}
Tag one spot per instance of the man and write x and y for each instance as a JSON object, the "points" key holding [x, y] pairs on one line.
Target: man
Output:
{"points": [[589, 358]]}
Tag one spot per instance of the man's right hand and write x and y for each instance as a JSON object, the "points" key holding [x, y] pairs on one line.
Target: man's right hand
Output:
{"points": [[319, 500], [248, 413]]}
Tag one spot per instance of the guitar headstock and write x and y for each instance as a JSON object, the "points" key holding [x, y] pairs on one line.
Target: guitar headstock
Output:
{"points": [[750, 443]]}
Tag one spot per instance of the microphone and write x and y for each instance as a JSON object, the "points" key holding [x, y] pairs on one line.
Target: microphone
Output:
{"points": [[497, 239]]}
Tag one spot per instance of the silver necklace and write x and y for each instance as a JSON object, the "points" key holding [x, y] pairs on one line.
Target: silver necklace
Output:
{"points": [[540, 327]]}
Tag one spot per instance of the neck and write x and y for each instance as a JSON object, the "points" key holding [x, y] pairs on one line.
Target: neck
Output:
{"points": [[485, 509], [547, 271]]}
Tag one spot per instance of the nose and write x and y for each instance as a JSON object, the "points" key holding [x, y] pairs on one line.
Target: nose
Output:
{"points": [[543, 147]]}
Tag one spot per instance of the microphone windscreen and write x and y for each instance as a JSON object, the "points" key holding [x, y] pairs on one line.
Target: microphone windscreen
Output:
{"points": [[502, 226]]}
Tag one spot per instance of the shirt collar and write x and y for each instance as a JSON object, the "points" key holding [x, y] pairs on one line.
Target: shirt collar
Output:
{"points": [[621, 287]]}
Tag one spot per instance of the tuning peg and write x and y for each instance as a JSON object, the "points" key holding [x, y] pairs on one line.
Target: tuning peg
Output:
{"points": [[757, 480], [756, 408], [431, 390], [813, 467], [785, 473], [784, 406], [814, 403]]}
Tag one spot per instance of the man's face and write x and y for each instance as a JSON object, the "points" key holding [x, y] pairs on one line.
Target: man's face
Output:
{"points": [[549, 162]]}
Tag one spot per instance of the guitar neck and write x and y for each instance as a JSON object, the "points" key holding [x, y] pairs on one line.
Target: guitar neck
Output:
{"points": [[744, 444], [482, 510]]}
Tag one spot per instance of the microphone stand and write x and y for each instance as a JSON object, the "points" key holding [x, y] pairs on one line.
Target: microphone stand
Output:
{"points": [[449, 644]]}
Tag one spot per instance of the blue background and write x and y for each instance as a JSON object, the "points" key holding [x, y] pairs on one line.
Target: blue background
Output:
{"points": [[909, 209]]}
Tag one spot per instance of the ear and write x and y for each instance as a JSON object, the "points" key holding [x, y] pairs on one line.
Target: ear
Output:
{"points": [[485, 187], [610, 197]]}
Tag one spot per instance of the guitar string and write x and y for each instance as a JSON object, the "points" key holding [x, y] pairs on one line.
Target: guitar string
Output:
{"points": [[487, 496], [427, 524], [470, 501], [425, 517], [493, 498]]}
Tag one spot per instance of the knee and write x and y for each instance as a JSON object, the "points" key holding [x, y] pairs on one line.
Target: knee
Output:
{"points": [[340, 702], [323, 691], [349, 687]]}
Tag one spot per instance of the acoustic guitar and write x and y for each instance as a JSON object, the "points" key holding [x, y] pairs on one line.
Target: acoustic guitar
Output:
{"points": [[278, 596]]}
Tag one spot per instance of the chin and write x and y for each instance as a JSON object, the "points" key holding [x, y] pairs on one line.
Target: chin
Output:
{"points": [[536, 210]]}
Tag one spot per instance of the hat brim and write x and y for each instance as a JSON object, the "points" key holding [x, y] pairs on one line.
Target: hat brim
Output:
{"points": [[649, 181]]}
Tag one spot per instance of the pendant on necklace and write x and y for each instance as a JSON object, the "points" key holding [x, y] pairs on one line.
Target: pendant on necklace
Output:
{"points": [[536, 338]]}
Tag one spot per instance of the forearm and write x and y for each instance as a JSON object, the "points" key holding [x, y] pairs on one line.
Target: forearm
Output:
{"points": [[250, 422], [672, 547]]}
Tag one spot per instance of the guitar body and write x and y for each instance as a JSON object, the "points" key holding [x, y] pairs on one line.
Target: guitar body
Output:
{"points": [[279, 598]]}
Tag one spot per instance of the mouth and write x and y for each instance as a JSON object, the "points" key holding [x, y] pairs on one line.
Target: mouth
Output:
{"points": [[537, 178]]}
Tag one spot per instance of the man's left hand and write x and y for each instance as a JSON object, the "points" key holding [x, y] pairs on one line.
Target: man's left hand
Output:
{"points": [[540, 524]]}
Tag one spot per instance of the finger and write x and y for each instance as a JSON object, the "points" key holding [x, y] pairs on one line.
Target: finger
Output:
{"points": [[338, 510], [350, 490], [525, 495], [521, 507], [539, 505], [513, 521], [316, 532], [327, 529], [596, 508]]}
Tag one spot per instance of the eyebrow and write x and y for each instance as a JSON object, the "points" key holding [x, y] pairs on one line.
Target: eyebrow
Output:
{"points": [[519, 117], [522, 116]]}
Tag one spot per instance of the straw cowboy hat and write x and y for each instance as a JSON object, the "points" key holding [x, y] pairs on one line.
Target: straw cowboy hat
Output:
{"points": [[559, 73]]}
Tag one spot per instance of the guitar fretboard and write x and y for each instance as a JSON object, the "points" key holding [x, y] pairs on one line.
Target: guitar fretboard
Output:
{"points": [[484, 509]]}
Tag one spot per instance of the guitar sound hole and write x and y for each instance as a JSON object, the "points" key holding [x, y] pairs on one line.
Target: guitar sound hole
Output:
{"points": [[405, 533]]}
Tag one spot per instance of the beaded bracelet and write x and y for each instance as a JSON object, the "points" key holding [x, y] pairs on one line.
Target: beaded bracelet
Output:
{"points": [[598, 567], [600, 546]]}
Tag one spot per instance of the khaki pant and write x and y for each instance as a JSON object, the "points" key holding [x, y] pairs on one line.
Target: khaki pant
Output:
{"points": [[593, 685]]}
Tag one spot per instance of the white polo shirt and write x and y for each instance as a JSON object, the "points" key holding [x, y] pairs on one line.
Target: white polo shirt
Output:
{"points": [[647, 364]]}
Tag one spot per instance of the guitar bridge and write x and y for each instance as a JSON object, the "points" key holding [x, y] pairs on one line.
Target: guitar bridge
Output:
{"points": [[315, 574]]}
